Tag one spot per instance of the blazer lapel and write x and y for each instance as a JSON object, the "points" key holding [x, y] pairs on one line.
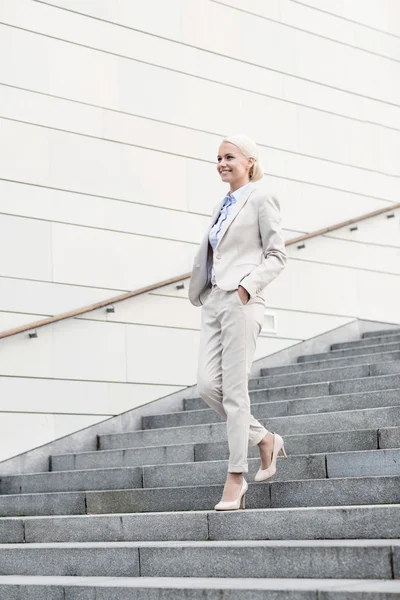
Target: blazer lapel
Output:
{"points": [[236, 208]]}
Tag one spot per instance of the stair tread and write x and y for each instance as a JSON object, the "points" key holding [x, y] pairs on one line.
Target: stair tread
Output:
{"points": [[193, 583]]}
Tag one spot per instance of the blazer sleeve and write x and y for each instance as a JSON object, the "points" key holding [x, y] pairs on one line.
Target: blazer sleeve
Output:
{"points": [[273, 247]]}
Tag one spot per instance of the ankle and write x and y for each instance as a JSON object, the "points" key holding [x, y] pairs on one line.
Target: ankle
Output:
{"points": [[234, 478], [267, 440]]}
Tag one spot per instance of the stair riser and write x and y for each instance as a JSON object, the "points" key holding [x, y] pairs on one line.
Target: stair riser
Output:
{"points": [[357, 464], [332, 363], [43, 504], [279, 524], [300, 424], [384, 339], [339, 374], [295, 444], [281, 408], [393, 347], [72, 481], [124, 458], [217, 591], [321, 492], [313, 390], [380, 332], [336, 374], [379, 462], [373, 562]]}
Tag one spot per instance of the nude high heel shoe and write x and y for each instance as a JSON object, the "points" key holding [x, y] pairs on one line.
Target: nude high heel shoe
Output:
{"points": [[264, 474], [235, 504]]}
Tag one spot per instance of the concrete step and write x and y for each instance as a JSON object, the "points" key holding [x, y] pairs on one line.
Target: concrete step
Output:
{"points": [[351, 522], [373, 349], [314, 466], [276, 494], [372, 559], [295, 444], [335, 441], [384, 339], [315, 376], [361, 359], [370, 418], [174, 588], [256, 398], [313, 390], [129, 457], [381, 332], [310, 466], [280, 408], [67, 481]]}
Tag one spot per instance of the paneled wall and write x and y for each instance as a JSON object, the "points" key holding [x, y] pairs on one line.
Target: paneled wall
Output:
{"points": [[111, 113]]}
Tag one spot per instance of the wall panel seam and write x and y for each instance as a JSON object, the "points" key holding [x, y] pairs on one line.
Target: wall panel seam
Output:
{"points": [[336, 15], [380, 100], [121, 231], [185, 156], [191, 128], [158, 237], [228, 6], [288, 25]]}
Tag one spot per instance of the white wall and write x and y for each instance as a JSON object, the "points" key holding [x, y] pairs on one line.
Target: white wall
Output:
{"points": [[110, 118]]}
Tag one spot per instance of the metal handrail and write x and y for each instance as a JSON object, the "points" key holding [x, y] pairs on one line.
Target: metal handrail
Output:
{"points": [[153, 286]]}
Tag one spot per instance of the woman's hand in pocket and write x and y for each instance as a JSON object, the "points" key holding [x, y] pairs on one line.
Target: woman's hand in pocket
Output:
{"points": [[243, 294]]}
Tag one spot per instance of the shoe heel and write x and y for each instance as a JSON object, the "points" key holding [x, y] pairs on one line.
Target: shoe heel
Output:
{"points": [[284, 451], [243, 501]]}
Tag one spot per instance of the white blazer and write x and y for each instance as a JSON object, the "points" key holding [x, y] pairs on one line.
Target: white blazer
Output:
{"points": [[250, 250]]}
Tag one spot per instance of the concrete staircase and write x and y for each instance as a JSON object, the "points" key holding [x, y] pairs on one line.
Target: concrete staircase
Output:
{"points": [[135, 518]]}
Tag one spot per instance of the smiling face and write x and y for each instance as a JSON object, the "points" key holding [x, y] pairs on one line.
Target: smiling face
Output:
{"points": [[233, 166]]}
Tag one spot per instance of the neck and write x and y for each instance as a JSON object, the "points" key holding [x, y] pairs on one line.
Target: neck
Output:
{"points": [[236, 186]]}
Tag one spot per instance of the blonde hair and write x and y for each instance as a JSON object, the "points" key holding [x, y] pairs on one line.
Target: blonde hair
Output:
{"points": [[250, 149]]}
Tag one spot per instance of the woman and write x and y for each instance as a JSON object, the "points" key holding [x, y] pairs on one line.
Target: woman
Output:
{"points": [[242, 252]]}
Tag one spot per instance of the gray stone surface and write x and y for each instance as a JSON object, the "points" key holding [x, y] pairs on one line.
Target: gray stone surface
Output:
{"points": [[380, 339], [373, 349], [66, 481], [161, 499], [379, 332], [349, 522], [117, 560], [171, 588], [364, 439], [366, 384], [313, 376], [34, 592], [366, 463], [11, 531], [121, 528], [313, 423], [396, 562], [280, 408], [389, 437], [70, 503], [336, 492], [340, 412], [125, 458], [298, 467], [339, 402], [306, 390], [277, 494], [385, 368], [330, 363], [327, 559]]}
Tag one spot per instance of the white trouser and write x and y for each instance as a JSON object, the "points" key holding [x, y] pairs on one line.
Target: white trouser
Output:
{"points": [[229, 331]]}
